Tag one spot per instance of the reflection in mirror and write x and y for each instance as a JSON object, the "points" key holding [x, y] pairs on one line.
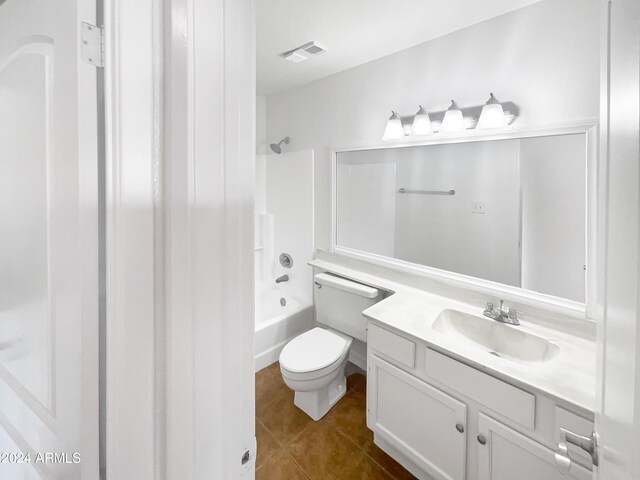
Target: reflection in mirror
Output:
{"points": [[510, 211]]}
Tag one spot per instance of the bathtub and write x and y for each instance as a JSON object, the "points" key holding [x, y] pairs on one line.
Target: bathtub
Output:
{"points": [[276, 324]]}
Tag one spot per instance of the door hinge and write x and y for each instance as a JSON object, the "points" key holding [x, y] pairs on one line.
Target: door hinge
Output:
{"points": [[92, 44]]}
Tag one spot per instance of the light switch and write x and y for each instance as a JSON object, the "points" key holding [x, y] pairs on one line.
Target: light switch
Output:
{"points": [[478, 207]]}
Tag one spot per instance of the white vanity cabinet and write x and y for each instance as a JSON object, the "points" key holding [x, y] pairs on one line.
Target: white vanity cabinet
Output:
{"points": [[426, 424], [443, 419]]}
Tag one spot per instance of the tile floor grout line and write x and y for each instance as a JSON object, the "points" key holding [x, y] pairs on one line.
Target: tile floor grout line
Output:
{"points": [[382, 467], [280, 446], [270, 433], [296, 462], [269, 402], [348, 438]]}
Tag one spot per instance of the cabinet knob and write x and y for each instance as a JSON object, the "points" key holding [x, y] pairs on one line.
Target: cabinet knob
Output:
{"points": [[460, 427], [482, 440]]}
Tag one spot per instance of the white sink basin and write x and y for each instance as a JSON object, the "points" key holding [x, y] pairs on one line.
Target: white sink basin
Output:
{"points": [[504, 341]]}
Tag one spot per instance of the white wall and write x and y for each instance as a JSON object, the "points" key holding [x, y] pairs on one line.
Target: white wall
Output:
{"points": [[544, 58], [553, 178], [261, 125]]}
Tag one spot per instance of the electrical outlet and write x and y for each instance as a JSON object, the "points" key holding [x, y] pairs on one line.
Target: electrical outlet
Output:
{"points": [[479, 207]]}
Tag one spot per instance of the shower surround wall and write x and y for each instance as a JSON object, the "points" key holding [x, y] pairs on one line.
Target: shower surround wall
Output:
{"points": [[545, 58], [284, 224]]}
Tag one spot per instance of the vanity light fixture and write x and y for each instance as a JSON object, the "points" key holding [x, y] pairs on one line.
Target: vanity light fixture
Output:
{"points": [[394, 129], [492, 115], [453, 120], [421, 123]]}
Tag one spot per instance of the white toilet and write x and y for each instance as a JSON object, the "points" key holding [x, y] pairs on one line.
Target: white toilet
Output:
{"points": [[313, 363]]}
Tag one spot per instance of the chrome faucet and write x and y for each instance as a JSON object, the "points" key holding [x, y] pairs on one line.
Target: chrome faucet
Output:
{"points": [[283, 278], [502, 314]]}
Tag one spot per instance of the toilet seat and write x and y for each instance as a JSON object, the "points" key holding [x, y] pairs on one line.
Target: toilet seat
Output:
{"points": [[314, 351]]}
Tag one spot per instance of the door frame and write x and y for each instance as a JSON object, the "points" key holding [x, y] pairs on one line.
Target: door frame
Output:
{"points": [[180, 150], [618, 331], [133, 120], [210, 161]]}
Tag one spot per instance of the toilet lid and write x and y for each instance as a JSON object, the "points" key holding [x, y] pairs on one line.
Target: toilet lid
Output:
{"points": [[313, 350]]}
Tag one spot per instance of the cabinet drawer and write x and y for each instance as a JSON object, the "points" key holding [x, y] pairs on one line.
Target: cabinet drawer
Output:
{"points": [[393, 346], [505, 399]]}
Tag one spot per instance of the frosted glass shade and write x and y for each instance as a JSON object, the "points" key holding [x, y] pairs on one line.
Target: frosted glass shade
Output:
{"points": [[453, 120], [394, 129], [421, 123], [492, 115]]}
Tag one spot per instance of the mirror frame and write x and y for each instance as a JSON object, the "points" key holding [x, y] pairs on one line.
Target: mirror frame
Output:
{"points": [[594, 185]]}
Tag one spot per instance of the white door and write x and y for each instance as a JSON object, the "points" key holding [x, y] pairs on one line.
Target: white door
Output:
{"points": [[504, 454], [48, 243], [424, 423]]}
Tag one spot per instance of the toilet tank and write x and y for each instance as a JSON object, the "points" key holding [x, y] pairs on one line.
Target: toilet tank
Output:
{"points": [[340, 302]]}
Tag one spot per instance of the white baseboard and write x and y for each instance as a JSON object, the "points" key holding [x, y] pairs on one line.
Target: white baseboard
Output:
{"points": [[358, 359], [270, 356]]}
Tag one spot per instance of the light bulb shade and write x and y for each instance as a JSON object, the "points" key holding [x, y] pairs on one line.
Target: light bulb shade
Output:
{"points": [[453, 120], [421, 123], [492, 115], [394, 129]]}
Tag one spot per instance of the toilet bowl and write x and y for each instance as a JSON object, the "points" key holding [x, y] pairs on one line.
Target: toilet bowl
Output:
{"points": [[313, 365]]}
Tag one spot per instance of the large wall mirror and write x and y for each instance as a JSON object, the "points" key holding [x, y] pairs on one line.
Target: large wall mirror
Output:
{"points": [[511, 211]]}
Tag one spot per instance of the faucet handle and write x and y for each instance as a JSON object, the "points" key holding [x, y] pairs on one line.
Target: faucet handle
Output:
{"points": [[502, 307], [489, 307], [513, 315]]}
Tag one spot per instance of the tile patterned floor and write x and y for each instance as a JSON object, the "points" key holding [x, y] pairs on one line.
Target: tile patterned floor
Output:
{"points": [[291, 446]]}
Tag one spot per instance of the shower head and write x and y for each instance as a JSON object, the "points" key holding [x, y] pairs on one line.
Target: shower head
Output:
{"points": [[276, 146]]}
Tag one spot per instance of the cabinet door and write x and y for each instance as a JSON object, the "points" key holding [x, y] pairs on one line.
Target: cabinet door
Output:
{"points": [[427, 425], [507, 454]]}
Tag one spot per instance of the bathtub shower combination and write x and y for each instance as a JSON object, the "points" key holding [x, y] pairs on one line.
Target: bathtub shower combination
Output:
{"points": [[280, 316], [284, 245]]}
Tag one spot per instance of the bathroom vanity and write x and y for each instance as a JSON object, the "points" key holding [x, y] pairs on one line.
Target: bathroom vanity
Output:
{"points": [[450, 226], [456, 418], [454, 421], [454, 395]]}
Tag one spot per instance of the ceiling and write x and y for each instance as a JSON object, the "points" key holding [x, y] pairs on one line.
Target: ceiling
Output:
{"points": [[354, 32]]}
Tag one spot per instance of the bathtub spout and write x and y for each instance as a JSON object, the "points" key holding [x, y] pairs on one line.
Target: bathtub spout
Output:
{"points": [[283, 278]]}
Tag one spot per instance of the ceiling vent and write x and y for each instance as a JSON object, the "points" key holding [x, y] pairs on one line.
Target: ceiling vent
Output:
{"points": [[294, 57], [297, 54]]}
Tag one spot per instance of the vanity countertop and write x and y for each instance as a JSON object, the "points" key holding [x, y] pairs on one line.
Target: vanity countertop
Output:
{"points": [[569, 377]]}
